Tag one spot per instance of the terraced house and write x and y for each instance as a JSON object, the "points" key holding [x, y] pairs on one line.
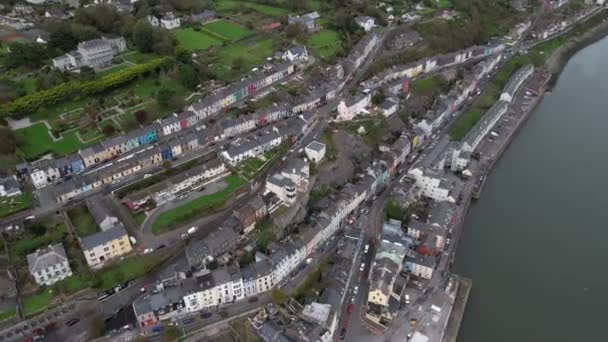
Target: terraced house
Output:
{"points": [[108, 244]]}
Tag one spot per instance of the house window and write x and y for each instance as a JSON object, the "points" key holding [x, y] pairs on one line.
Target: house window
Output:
{"points": [[106, 249]]}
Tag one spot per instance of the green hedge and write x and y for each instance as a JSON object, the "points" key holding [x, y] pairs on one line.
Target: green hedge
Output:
{"points": [[72, 89]]}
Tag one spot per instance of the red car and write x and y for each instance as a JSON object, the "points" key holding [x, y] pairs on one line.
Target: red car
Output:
{"points": [[350, 308]]}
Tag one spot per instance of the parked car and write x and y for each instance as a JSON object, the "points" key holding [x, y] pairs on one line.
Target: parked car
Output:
{"points": [[342, 333], [252, 299], [188, 320], [362, 267], [206, 314], [157, 328], [351, 307]]}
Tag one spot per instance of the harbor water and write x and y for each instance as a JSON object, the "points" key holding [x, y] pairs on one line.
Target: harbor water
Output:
{"points": [[536, 243]]}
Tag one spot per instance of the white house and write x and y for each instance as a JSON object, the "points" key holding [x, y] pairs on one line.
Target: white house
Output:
{"points": [[39, 179], [389, 106], [283, 188], [9, 187], [199, 292], [296, 53], [49, 265], [315, 151], [365, 22], [431, 184], [152, 20], [169, 21], [352, 106]]}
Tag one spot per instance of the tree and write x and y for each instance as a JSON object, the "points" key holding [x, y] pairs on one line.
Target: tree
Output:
{"points": [[171, 333], [378, 98], [238, 63], [61, 37], [143, 36], [97, 327], [30, 55], [296, 31], [141, 116], [87, 73], [9, 141], [108, 130], [278, 296], [164, 95], [37, 229], [187, 76]]}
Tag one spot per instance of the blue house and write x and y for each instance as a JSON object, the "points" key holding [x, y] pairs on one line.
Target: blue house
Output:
{"points": [[148, 134], [166, 152], [76, 163]]}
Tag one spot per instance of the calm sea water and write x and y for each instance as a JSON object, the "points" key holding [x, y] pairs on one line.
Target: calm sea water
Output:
{"points": [[536, 244]]}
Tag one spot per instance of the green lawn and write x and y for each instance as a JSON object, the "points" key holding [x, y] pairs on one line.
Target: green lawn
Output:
{"points": [[7, 314], [52, 113], [137, 57], [29, 84], [36, 141], [228, 5], [112, 70], [23, 247], [227, 29], [126, 270], [82, 220], [78, 281], [38, 302], [252, 53], [324, 43], [199, 207], [195, 40], [429, 86], [11, 205]]}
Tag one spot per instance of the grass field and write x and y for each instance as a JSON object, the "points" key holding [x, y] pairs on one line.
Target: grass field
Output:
{"points": [[199, 207], [111, 70], [228, 5], [138, 57], [228, 30], [324, 43], [23, 247], [7, 314], [429, 86], [36, 141], [82, 220], [126, 270], [37, 302], [195, 40], [252, 53], [11, 205]]}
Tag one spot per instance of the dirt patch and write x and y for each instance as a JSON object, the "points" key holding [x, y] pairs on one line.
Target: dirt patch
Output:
{"points": [[353, 155]]}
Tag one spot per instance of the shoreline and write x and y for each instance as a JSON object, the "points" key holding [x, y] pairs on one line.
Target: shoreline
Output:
{"points": [[554, 65]]}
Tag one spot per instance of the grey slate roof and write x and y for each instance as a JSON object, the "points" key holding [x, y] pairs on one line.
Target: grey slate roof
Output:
{"points": [[91, 241], [221, 276], [98, 209], [45, 258], [316, 146]]}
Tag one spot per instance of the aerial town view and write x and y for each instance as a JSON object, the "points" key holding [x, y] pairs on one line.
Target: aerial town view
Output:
{"points": [[303, 170]]}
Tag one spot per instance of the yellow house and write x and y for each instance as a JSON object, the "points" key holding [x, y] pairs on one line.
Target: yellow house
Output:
{"points": [[106, 245]]}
